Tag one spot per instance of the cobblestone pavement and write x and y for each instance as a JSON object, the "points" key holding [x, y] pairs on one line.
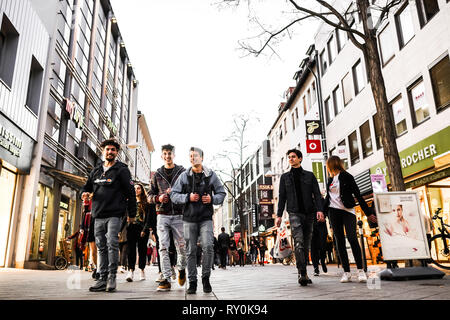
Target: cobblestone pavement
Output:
{"points": [[271, 282]]}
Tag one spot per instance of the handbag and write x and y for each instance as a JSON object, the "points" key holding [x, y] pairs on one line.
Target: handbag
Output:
{"points": [[282, 247]]}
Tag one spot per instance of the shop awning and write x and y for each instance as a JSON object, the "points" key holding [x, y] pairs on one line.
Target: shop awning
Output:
{"points": [[66, 177]]}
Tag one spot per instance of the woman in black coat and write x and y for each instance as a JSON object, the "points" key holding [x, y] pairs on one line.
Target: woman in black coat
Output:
{"points": [[340, 208]]}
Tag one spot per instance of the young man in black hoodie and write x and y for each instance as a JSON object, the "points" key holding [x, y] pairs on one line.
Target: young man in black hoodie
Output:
{"points": [[198, 189], [113, 196], [169, 217]]}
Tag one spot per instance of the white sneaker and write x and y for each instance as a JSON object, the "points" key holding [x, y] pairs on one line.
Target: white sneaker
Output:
{"points": [[121, 270], [160, 277], [362, 276], [142, 276], [346, 277], [130, 276]]}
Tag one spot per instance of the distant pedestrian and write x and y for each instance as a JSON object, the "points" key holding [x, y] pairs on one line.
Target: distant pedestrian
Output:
{"points": [[114, 196], [241, 252], [233, 252], [123, 247], [87, 231], [300, 195], [254, 247], [198, 189], [169, 218], [78, 248], [262, 251], [339, 205], [224, 244], [318, 246]]}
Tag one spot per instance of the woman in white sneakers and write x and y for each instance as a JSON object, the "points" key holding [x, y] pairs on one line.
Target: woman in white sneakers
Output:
{"points": [[340, 207]]}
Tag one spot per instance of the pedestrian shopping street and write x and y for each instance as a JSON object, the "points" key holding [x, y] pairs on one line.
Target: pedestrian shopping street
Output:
{"points": [[271, 282]]}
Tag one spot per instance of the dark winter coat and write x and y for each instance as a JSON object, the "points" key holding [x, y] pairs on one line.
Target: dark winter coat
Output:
{"points": [[159, 185]]}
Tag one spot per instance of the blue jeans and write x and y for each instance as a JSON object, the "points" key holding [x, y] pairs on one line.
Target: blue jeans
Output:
{"points": [[107, 241], [193, 231], [165, 223]]}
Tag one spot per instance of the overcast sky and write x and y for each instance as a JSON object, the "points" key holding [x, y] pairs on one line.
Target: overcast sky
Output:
{"points": [[192, 76]]}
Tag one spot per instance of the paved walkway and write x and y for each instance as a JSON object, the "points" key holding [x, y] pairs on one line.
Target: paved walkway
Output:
{"points": [[271, 282]]}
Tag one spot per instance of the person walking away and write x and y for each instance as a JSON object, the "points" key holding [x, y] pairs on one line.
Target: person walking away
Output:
{"points": [[224, 244], [216, 253], [254, 245], [114, 196], [233, 252], [137, 233], [169, 217], [241, 253], [87, 231], [198, 190], [318, 246], [299, 193], [77, 247], [339, 205], [262, 251]]}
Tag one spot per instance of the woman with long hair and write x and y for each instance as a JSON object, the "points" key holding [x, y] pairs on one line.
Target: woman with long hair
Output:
{"points": [[138, 232], [340, 206]]}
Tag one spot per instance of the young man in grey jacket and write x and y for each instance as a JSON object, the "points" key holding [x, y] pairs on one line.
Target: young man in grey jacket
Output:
{"points": [[198, 189]]}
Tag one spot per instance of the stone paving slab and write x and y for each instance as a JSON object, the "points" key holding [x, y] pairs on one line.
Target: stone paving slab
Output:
{"points": [[271, 282]]}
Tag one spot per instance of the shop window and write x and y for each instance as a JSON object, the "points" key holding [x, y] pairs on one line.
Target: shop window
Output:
{"points": [[347, 89], [418, 103], [358, 77], [329, 110], [440, 80], [354, 150], [9, 40], [386, 45], [44, 205], [34, 86], [7, 189], [427, 9], [366, 139], [337, 102], [405, 27], [398, 111], [377, 126]]}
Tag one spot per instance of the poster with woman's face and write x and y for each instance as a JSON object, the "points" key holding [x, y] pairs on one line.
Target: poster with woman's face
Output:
{"points": [[401, 226]]}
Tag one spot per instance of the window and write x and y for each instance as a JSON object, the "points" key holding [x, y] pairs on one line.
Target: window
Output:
{"points": [[405, 27], [386, 45], [358, 77], [341, 36], [426, 10], [337, 100], [366, 139], [313, 93], [305, 107], [331, 46], [34, 86], [329, 110], [285, 125], [341, 145], [418, 102], [9, 40], [399, 116], [280, 132], [354, 151], [293, 121], [296, 115], [440, 80], [323, 62], [377, 126], [347, 89], [308, 95]]}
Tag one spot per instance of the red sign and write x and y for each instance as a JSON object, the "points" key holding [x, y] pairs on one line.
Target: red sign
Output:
{"points": [[313, 146]]}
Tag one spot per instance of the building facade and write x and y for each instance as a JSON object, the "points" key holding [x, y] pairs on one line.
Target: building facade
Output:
{"points": [[416, 70]]}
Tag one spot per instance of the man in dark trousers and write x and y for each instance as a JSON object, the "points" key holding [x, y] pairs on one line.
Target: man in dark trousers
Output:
{"points": [[318, 246], [224, 243], [198, 189], [113, 197], [299, 193]]}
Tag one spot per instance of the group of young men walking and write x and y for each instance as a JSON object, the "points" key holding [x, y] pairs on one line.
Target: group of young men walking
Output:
{"points": [[184, 202]]}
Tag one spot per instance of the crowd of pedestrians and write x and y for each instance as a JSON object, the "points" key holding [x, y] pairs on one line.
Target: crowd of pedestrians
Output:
{"points": [[171, 224]]}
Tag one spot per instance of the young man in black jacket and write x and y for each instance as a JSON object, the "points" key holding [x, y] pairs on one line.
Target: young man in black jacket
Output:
{"points": [[113, 196], [224, 243], [198, 189], [300, 190]]}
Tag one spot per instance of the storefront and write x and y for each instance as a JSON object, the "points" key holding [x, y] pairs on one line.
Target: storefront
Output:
{"points": [[426, 169], [15, 160]]}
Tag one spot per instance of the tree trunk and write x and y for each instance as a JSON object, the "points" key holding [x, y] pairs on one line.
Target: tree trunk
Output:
{"points": [[388, 132]]}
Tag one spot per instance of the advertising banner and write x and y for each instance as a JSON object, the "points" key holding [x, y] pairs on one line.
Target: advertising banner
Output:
{"points": [[313, 127], [401, 226], [378, 183], [313, 146]]}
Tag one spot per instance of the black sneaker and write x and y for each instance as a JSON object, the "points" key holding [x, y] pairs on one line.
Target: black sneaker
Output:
{"points": [[192, 287], [302, 280], [324, 268], [182, 277], [206, 285], [111, 283], [100, 285], [316, 272], [308, 279]]}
